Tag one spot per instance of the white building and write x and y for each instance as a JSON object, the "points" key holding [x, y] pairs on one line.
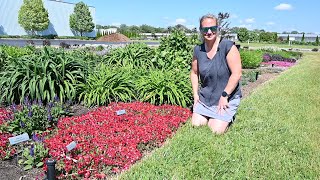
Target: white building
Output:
{"points": [[298, 37], [59, 13]]}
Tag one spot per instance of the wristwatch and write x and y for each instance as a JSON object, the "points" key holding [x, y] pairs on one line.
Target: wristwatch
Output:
{"points": [[225, 94]]}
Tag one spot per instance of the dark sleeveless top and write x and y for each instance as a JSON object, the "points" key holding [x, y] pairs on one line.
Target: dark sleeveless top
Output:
{"points": [[214, 73]]}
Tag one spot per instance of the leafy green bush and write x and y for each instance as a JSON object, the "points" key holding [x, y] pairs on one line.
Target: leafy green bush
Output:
{"points": [[250, 59], [41, 75], [105, 85], [165, 87], [174, 52], [134, 55]]}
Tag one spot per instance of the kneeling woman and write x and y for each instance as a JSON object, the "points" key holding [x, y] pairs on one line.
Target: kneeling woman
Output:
{"points": [[217, 64]]}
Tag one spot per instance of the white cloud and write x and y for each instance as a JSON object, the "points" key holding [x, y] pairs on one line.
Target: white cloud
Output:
{"points": [[270, 23], [249, 20], [181, 21], [248, 26], [283, 6], [116, 24]]}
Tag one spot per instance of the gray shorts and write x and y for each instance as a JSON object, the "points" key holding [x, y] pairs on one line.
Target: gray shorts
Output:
{"points": [[212, 111]]}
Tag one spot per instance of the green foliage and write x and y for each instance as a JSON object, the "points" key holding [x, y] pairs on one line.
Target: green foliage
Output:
{"points": [[268, 37], [250, 59], [165, 87], [34, 118], [317, 41], [8, 52], [249, 76], [302, 39], [41, 75], [81, 19], [174, 52], [253, 36], [105, 85], [243, 34], [33, 16], [33, 156], [134, 55], [194, 39]]}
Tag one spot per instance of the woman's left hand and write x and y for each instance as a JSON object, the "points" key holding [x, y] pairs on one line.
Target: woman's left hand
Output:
{"points": [[223, 105]]}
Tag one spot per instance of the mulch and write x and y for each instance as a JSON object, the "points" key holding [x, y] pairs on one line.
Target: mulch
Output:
{"points": [[115, 37]]}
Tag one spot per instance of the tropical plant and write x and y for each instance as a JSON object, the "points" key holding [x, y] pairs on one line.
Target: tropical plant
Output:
{"points": [[81, 19], [41, 75], [33, 16], [165, 87], [105, 85]]}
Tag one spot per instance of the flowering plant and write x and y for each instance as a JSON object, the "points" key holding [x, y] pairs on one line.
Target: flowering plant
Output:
{"points": [[109, 143]]}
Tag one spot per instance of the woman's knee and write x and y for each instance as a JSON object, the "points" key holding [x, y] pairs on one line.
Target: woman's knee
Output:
{"points": [[218, 127], [198, 120]]}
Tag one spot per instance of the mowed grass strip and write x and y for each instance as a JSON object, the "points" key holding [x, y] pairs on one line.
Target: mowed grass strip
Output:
{"points": [[276, 136]]}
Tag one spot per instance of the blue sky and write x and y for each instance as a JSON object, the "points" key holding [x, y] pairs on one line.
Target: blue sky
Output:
{"points": [[270, 15]]}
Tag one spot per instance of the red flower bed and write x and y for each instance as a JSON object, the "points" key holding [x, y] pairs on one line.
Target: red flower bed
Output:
{"points": [[5, 149], [107, 142]]}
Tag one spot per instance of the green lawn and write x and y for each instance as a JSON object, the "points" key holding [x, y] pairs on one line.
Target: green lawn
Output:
{"points": [[276, 136], [267, 45]]}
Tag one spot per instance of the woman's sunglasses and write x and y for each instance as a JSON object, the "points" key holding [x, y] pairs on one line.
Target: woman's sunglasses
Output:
{"points": [[212, 28]]}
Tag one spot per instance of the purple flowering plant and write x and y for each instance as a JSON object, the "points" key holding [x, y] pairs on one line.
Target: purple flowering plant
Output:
{"points": [[34, 117]]}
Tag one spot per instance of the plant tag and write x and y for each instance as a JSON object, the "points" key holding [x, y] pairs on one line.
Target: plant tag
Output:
{"points": [[18, 139], [120, 112], [71, 146]]}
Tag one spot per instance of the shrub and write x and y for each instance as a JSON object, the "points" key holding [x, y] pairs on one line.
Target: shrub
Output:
{"points": [[100, 48], [40, 76], [46, 42], [64, 45], [250, 59], [165, 87], [105, 85], [174, 52], [314, 49]]}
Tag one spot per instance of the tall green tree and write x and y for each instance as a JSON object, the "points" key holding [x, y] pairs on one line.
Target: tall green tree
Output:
{"points": [[33, 16], [288, 38], [317, 41], [81, 19], [302, 39], [243, 34]]}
